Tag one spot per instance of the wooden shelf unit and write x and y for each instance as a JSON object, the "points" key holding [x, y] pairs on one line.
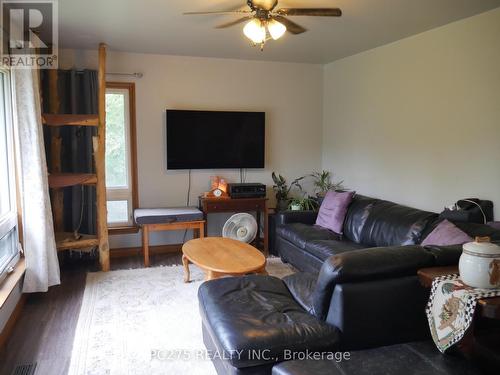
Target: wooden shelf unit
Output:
{"points": [[62, 180], [70, 120], [67, 241], [59, 180]]}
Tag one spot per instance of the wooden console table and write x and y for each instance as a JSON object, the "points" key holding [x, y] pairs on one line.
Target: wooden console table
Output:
{"points": [[257, 205]]}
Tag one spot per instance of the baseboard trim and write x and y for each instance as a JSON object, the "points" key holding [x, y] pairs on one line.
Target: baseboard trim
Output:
{"points": [[11, 323], [135, 251]]}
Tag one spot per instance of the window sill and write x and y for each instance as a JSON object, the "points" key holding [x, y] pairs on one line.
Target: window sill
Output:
{"points": [[10, 282], [122, 230]]}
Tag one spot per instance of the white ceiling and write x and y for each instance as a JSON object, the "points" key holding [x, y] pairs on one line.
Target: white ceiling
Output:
{"points": [[158, 26]]}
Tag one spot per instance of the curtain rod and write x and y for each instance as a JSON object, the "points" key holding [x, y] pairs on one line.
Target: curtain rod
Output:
{"points": [[136, 75]]}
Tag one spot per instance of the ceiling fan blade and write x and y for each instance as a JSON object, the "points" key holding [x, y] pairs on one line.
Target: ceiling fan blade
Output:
{"points": [[319, 12], [291, 26], [218, 12], [232, 23]]}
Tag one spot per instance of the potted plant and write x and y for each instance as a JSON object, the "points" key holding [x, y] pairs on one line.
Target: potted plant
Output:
{"points": [[323, 183], [295, 204], [282, 190], [303, 204]]}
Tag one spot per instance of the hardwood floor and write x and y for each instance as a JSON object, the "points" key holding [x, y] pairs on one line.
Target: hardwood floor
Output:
{"points": [[45, 330]]}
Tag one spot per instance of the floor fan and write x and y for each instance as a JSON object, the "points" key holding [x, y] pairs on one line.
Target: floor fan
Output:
{"points": [[241, 227]]}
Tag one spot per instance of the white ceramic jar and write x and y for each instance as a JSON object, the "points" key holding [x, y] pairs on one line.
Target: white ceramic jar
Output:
{"points": [[480, 264]]}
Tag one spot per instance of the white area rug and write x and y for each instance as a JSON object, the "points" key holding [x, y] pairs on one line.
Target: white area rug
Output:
{"points": [[144, 322]]}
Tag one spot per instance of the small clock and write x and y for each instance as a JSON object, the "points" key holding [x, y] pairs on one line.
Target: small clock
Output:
{"points": [[217, 193]]}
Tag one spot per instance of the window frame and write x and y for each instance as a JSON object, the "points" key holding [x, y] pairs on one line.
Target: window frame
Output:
{"points": [[10, 220], [132, 190]]}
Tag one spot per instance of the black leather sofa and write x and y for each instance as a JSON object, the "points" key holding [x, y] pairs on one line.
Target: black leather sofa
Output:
{"points": [[368, 276], [369, 223], [365, 295]]}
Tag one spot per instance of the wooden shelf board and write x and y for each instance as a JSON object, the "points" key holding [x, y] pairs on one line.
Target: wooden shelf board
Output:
{"points": [[61, 180], [66, 241], [71, 120]]}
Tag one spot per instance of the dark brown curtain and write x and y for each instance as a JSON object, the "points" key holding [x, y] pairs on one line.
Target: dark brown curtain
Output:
{"points": [[78, 94]]}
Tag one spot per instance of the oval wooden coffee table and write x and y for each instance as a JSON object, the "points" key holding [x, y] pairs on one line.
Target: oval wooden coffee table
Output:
{"points": [[219, 256]]}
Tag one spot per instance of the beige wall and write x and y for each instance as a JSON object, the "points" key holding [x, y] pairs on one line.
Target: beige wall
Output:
{"points": [[418, 121], [290, 94]]}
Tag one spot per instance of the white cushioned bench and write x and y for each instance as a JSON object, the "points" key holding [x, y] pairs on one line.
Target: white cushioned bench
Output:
{"points": [[174, 218]]}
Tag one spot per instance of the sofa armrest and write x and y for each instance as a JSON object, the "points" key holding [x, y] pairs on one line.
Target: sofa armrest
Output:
{"points": [[378, 313], [445, 255], [304, 217], [377, 263], [367, 265]]}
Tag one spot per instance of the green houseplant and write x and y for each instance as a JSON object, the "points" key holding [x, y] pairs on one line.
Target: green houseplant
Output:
{"points": [[295, 204], [323, 183], [303, 204], [282, 190]]}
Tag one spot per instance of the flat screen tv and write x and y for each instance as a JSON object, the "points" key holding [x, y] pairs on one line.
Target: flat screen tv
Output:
{"points": [[215, 140]]}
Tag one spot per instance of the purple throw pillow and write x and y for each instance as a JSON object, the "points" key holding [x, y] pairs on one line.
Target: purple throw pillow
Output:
{"points": [[333, 210], [494, 224], [446, 234]]}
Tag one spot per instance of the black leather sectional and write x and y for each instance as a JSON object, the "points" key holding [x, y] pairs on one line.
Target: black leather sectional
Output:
{"points": [[416, 358], [354, 292], [369, 274], [369, 223]]}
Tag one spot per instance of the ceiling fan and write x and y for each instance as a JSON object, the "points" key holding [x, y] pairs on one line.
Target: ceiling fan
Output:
{"points": [[266, 21]]}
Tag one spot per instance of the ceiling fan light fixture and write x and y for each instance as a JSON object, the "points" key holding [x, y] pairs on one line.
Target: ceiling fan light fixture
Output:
{"points": [[276, 29], [255, 31]]}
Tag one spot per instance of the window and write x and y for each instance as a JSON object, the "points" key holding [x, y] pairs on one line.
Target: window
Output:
{"points": [[121, 171], [9, 236]]}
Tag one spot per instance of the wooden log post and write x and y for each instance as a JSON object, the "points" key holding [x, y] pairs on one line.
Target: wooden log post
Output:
{"points": [[55, 152], [100, 166]]}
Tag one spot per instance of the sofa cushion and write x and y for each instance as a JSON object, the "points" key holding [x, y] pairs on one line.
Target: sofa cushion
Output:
{"points": [[323, 249], [257, 312], [409, 359], [144, 216], [299, 234], [375, 222], [391, 224], [445, 234], [356, 216], [333, 209]]}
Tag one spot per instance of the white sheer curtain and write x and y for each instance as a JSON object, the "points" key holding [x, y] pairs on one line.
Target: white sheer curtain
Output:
{"points": [[42, 266]]}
